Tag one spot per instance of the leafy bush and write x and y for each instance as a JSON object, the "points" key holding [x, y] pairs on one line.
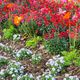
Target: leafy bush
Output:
{"points": [[33, 42], [56, 45], [71, 57], [8, 33]]}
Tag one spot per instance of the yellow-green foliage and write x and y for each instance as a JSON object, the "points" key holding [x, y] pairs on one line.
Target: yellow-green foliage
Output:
{"points": [[71, 57]]}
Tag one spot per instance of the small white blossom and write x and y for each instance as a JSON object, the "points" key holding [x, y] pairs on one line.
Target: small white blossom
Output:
{"points": [[13, 75], [2, 72], [38, 77], [53, 78], [66, 75], [10, 72], [56, 64], [47, 76], [30, 75], [22, 67], [64, 79], [53, 69], [17, 55]]}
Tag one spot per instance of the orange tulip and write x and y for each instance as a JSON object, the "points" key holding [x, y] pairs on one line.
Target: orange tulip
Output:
{"points": [[67, 15], [9, 5], [17, 20]]}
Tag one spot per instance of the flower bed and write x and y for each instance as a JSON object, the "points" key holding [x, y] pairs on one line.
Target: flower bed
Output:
{"points": [[43, 36]]}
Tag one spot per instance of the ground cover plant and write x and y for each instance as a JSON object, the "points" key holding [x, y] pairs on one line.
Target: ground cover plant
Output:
{"points": [[39, 39]]}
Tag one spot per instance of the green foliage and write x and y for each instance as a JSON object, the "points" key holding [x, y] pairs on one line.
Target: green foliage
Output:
{"points": [[71, 57], [77, 61], [56, 45], [78, 44], [28, 28], [33, 42], [3, 62], [8, 33], [36, 58]]}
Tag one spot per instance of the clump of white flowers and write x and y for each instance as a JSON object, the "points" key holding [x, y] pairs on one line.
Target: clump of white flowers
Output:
{"points": [[55, 64], [5, 48], [2, 73], [38, 77], [16, 37], [14, 69], [23, 53], [26, 77], [71, 78], [48, 77], [36, 58]]}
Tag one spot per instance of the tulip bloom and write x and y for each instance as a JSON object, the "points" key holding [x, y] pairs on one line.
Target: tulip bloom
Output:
{"points": [[17, 20], [67, 15]]}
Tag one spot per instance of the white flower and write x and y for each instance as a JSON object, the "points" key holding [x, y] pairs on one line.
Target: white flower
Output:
{"points": [[38, 77], [53, 69], [30, 75], [2, 72], [64, 79], [22, 67], [18, 78], [71, 77], [58, 70], [21, 72], [47, 76], [56, 64], [62, 61], [13, 75], [60, 67], [77, 78], [10, 72], [53, 78], [16, 36], [17, 63], [2, 45], [66, 75], [16, 70], [51, 62], [29, 51], [17, 54]]}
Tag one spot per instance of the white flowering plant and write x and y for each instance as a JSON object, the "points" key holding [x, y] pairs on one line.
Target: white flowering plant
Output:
{"points": [[71, 78], [15, 69], [48, 77], [36, 58], [23, 53], [55, 64], [3, 74], [26, 77], [5, 48]]}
